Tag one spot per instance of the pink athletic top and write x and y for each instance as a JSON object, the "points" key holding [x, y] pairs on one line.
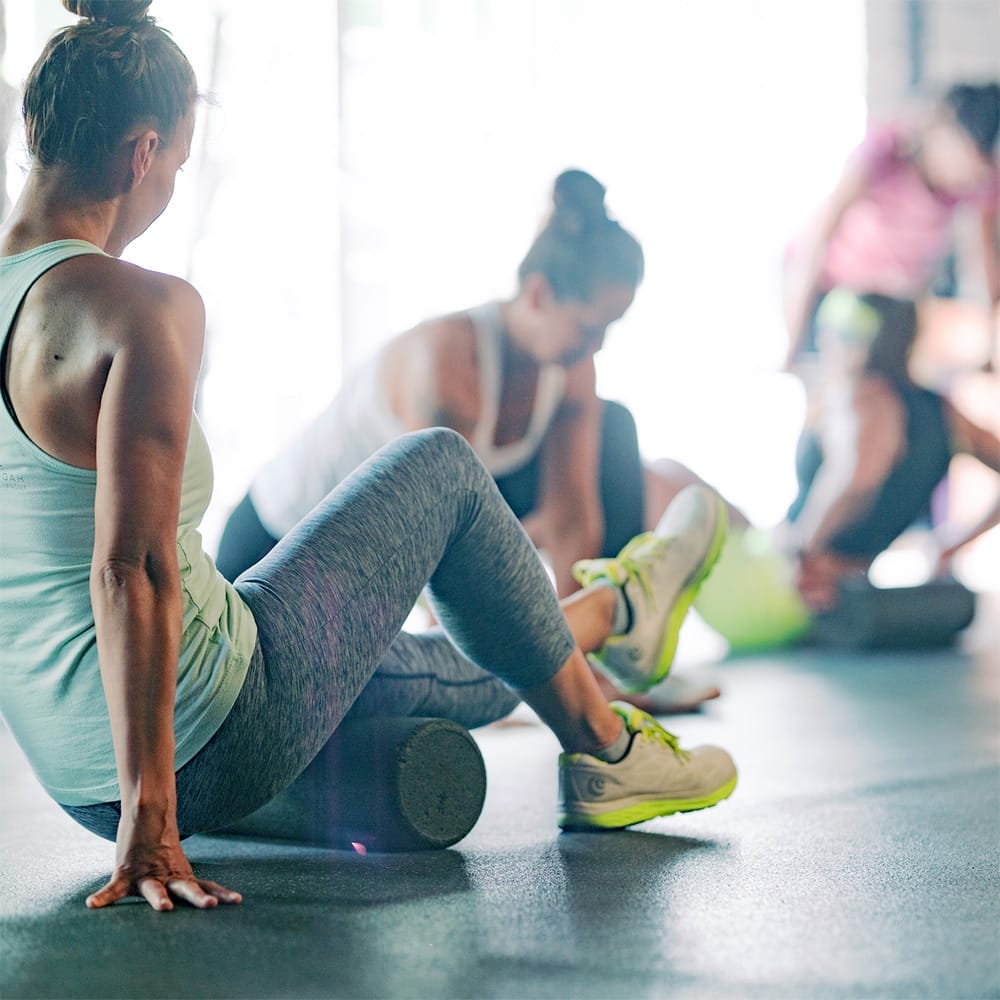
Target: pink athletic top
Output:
{"points": [[891, 239]]}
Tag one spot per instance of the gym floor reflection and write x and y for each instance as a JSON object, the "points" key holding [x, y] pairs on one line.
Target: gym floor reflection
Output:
{"points": [[857, 858]]}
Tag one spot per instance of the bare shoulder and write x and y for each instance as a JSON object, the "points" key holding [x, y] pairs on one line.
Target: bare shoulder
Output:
{"points": [[118, 302], [449, 338], [431, 375], [90, 323], [428, 340], [438, 350], [454, 368]]}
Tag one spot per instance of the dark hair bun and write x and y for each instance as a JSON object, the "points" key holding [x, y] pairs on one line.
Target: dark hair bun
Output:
{"points": [[117, 12], [578, 200]]}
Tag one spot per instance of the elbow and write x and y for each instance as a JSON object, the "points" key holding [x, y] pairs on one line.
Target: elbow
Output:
{"points": [[115, 574]]}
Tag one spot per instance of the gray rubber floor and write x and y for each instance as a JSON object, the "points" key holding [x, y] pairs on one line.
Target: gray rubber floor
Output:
{"points": [[858, 858]]}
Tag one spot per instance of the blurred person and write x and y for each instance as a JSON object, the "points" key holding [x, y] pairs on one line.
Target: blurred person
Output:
{"points": [[878, 447], [882, 235], [887, 225], [517, 379]]}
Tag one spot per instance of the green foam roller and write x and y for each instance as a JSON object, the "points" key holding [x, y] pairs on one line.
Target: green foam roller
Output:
{"points": [[385, 784], [750, 597]]}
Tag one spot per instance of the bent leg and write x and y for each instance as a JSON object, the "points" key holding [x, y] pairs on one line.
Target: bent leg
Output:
{"points": [[331, 597], [664, 478], [424, 674], [621, 478]]}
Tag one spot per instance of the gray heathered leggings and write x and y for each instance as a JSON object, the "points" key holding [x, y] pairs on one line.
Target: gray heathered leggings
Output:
{"points": [[329, 601]]}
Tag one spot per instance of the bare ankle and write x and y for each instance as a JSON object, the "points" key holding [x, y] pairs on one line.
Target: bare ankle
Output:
{"points": [[598, 733], [590, 614], [572, 705]]}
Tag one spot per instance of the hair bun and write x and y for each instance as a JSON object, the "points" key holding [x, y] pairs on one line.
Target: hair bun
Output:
{"points": [[116, 12], [578, 200]]}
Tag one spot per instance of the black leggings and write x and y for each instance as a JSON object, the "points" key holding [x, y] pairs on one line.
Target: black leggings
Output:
{"points": [[621, 481], [246, 541]]}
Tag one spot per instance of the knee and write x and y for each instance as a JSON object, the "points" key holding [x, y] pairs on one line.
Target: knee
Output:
{"points": [[446, 450], [675, 474]]}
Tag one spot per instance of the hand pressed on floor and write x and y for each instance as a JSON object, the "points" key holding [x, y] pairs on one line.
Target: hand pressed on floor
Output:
{"points": [[156, 868]]}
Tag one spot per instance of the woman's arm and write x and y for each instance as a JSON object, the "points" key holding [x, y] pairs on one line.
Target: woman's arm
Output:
{"points": [[972, 438], [862, 438], [430, 378], [984, 445], [142, 434], [990, 228], [861, 441], [990, 231], [568, 523], [951, 540], [801, 279]]}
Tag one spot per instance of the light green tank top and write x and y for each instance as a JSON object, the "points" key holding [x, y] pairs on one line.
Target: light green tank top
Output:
{"points": [[51, 694]]}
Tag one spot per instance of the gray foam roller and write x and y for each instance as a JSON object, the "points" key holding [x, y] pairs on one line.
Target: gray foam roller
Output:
{"points": [[390, 784]]}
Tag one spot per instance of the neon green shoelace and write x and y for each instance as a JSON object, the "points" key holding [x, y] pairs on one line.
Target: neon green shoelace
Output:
{"points": [[643, 724], [631, 563], [653, 731]]}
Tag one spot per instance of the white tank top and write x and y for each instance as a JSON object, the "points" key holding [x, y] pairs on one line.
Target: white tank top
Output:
{"points": [[359, 421], [503, 459]]}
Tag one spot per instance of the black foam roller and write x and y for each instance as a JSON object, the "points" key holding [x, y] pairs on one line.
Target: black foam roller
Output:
{"points": [[866, 617], [389, 784]]}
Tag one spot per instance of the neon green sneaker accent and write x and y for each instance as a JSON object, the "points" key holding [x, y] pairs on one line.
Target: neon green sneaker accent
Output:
{"points": [[644, 655], [630, 564], [656, 777], [686, 598], [644, 811]]}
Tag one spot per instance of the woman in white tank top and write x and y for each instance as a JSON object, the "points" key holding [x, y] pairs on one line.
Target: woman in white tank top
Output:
{"points": [[517, 380]]}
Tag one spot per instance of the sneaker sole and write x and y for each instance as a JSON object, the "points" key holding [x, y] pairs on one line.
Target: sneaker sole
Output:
{"points": [[685, 599], [617, 819]]}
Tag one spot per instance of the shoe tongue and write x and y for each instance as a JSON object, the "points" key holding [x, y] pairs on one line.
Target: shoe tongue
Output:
{"points": [[634, 718], [647, 544]]}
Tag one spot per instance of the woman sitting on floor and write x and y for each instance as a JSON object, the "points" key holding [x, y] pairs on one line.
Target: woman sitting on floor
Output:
{"points": [[153, 698]]}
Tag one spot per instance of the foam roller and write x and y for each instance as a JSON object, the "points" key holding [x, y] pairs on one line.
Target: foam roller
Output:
{"points": [[388, 784], [922, 617]]}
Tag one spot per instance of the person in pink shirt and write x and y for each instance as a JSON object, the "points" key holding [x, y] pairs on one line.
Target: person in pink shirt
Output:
{"points": [[887, 225], [876, 443]]}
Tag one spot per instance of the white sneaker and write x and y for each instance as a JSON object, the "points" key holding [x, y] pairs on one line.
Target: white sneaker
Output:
{"points": [[660, 572], [654, 778]]}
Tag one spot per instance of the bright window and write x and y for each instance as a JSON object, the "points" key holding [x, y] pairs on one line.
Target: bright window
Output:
{"points": [[350, 179]]}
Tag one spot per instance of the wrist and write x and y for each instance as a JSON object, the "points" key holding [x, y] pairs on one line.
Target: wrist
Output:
{"points": [[149, 795]]}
